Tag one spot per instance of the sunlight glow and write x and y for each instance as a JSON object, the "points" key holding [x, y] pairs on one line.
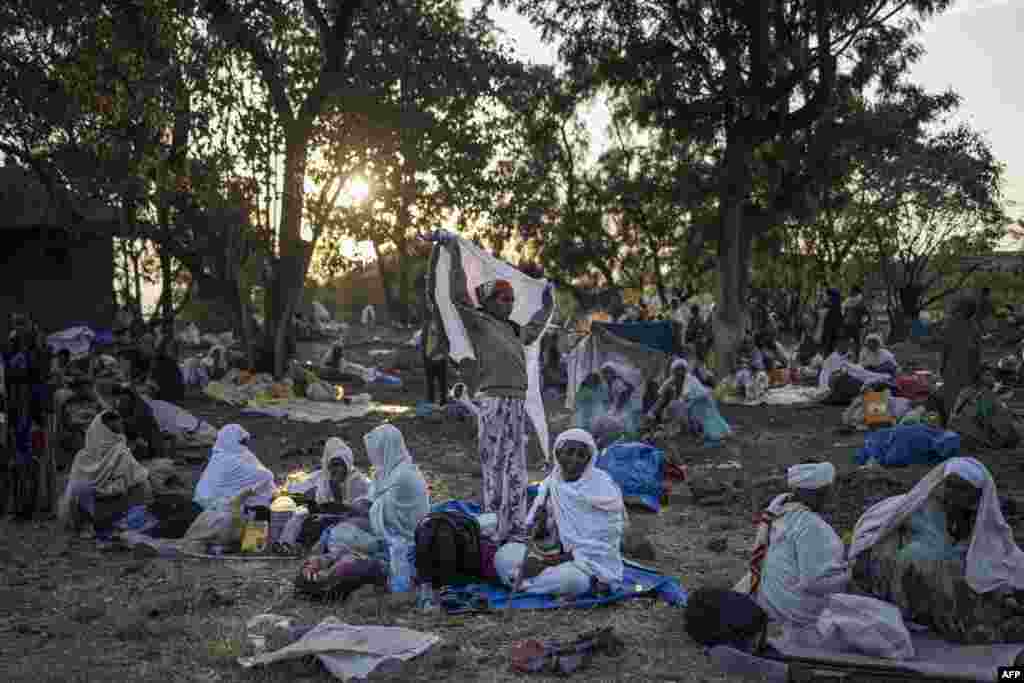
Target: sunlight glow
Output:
{"points": [[356, 191], [391, 409]]}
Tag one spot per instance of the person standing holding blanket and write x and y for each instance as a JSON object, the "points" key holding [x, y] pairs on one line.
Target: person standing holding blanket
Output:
{"points": [[498, 380]]}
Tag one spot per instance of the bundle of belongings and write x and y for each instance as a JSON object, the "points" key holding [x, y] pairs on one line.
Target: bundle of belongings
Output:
{"points": [[242, 388], [983, 419], [565, 658]]}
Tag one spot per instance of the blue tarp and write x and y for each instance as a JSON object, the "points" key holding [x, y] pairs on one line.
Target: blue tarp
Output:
{"points": [[637, 582], [463, 506], [909, 445], [656, 335], [638, 469]]}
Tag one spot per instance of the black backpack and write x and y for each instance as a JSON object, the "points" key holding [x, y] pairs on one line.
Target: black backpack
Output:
{"points": [[447, 546], [717, 616]]}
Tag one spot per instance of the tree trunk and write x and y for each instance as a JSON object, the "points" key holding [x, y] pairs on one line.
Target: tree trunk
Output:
{"points": [[167, 283], [901, 318], [734, 252], [289, 272], [387, 282]]}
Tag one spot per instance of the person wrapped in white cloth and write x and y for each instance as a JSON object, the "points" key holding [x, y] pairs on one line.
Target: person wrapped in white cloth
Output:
{"points": [[232, 469], [798, 560], [578, 520], [944, 554]]}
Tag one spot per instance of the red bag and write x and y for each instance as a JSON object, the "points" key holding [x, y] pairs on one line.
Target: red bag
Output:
{"points": [[914, 387]]}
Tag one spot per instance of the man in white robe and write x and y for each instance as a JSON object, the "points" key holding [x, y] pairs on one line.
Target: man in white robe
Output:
{"points": [[798, 559]]}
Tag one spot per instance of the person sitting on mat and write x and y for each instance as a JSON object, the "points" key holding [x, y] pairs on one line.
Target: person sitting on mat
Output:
{"points": [[231, 469], [798, 559], [578, 520], [399, 499], [106, 480], [944, 554], [341, 490]]}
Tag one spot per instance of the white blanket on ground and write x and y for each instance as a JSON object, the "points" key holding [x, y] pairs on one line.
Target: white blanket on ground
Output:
{"points": [[303, 410], [480, 267], [789, 395], [185, 427], [350, 652]]}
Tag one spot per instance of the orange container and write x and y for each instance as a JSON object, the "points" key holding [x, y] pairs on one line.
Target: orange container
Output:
{"points": [[779, 377], [876, 409]]}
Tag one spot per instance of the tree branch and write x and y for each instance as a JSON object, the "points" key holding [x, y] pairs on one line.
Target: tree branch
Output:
{"points": [[233, 29]]}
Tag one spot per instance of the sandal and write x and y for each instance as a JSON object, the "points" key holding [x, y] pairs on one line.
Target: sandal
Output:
{"points": [[286, 550]]}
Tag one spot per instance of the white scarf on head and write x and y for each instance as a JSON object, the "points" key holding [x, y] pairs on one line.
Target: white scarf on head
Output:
{"points": [[589, 512], [994, 561]]}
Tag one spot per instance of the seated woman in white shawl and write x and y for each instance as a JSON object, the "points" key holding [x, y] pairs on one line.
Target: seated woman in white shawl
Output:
{"points": [[399, 499], [624, 402], [798, 559], [944, 554], [875, 358], [578, 520], [233, 468], [106, 480]]}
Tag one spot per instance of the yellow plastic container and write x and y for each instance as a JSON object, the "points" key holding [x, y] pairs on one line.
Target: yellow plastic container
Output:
{"points": [[254, 537], [283, 504]]}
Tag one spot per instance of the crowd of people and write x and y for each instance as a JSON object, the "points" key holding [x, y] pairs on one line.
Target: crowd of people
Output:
{"points": [[942, 553], [53, 396]]}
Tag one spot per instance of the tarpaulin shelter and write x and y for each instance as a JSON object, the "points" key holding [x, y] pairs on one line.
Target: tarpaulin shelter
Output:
{"points": [[603, 344]]}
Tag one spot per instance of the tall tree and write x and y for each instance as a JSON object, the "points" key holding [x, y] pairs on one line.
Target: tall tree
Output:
{"points": [[932, 205], [303, 55], [741, 73]]}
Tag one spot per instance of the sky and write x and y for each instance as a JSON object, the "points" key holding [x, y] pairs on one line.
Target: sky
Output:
{"points": [[972, 48]]}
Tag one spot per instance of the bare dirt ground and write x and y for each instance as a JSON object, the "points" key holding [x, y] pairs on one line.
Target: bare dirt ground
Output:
{"points": [[72, 613]]}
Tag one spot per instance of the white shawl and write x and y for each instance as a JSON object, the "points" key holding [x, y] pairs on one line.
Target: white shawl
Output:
{"points": [[232, 468], [993, 559], [399, 491], [106, 463], [589, 513]]}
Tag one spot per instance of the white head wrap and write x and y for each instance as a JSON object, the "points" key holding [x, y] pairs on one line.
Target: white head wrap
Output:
{"points": [[679, 363], [967, 469], [811, 476]]}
